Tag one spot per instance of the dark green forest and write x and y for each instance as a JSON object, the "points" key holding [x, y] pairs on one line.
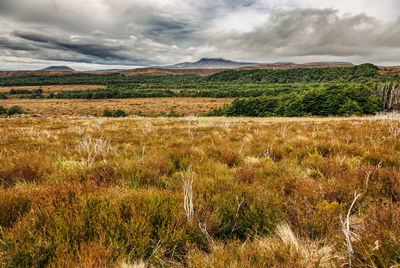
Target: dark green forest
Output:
{"points": [[332, 100], [260, 92]]}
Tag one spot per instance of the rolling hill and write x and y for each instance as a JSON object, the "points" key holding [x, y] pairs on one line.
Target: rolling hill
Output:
{"points": [[210, 63], [57, 68]]}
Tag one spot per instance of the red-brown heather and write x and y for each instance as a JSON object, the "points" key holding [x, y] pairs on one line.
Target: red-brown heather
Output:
{"points": [[199, 192]]}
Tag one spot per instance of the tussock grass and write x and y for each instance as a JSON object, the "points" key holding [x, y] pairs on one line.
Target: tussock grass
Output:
{"points": [[282, 248], [266, 192]]}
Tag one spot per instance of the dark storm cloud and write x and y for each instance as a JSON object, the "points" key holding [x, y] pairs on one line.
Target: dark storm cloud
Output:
{"points": [[34, 36], [82, 46], [162, 29], [9, 44], [96, 50]]}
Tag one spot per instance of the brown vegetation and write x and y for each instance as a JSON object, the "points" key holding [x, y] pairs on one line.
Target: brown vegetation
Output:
{"points": [[199, 192], [390, 70], [83, 107]]}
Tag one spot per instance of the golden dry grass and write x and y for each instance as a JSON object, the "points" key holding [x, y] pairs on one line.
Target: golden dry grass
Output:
{"points": [[105, 192], [147, 106], [395, 70]]}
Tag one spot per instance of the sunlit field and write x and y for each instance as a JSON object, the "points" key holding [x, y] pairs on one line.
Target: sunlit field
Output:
{"points": [[200, 192], [134, 106]]}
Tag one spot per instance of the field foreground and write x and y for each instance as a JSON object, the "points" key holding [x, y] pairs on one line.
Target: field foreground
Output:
{"points": [[199, 192]]}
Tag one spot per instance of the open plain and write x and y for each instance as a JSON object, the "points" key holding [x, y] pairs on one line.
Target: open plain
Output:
{"points": [[199, 192], [146, 106]]}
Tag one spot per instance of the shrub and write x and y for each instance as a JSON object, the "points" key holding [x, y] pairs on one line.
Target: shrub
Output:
{"points": [[2, 110], [119, 113], [107, 113], [172, 113], [123, 225], [27, 167], [13, 205], [15, 110]]}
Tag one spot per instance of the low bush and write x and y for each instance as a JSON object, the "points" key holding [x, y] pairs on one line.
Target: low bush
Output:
{"points": [[2, 110], [116, 113], [119, 113], [15, 110], [107, 113]]}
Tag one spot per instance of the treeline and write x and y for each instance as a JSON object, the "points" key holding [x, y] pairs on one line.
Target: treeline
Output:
{"points": [[355, 74], [115, 79], [70, 79], [26, 93], [111, 94], [332, 100], [360, 73]]}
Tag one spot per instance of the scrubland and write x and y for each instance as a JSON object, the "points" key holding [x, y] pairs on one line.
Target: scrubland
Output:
{"points": [[200, 192], [147, 106]]}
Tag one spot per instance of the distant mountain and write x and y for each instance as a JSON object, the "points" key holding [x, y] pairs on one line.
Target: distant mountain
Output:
{"points": [[58, 68], [219, 63], [107, 70], [281, 63], [338, 62], [210, 63], [328, 63]]}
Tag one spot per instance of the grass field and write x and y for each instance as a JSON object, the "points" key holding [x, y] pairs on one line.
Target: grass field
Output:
{"points": [[199, 192], [147, 106]]}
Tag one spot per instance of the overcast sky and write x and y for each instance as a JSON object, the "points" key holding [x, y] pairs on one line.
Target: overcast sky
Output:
{"points": [[104, 34]]}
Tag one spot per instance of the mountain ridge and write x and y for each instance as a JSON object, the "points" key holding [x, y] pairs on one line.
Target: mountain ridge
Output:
{"points": [[57, 68], [210, 63], [221, 63]]}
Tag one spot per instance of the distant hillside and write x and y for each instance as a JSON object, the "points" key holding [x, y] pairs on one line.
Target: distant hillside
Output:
{"points": [[338, 62], [210, 63], [166, 71], [107, 70], [58, 68], [283, 66]]}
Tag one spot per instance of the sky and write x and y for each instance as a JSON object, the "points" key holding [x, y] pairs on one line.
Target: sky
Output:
{"points": [[123, 34]]}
